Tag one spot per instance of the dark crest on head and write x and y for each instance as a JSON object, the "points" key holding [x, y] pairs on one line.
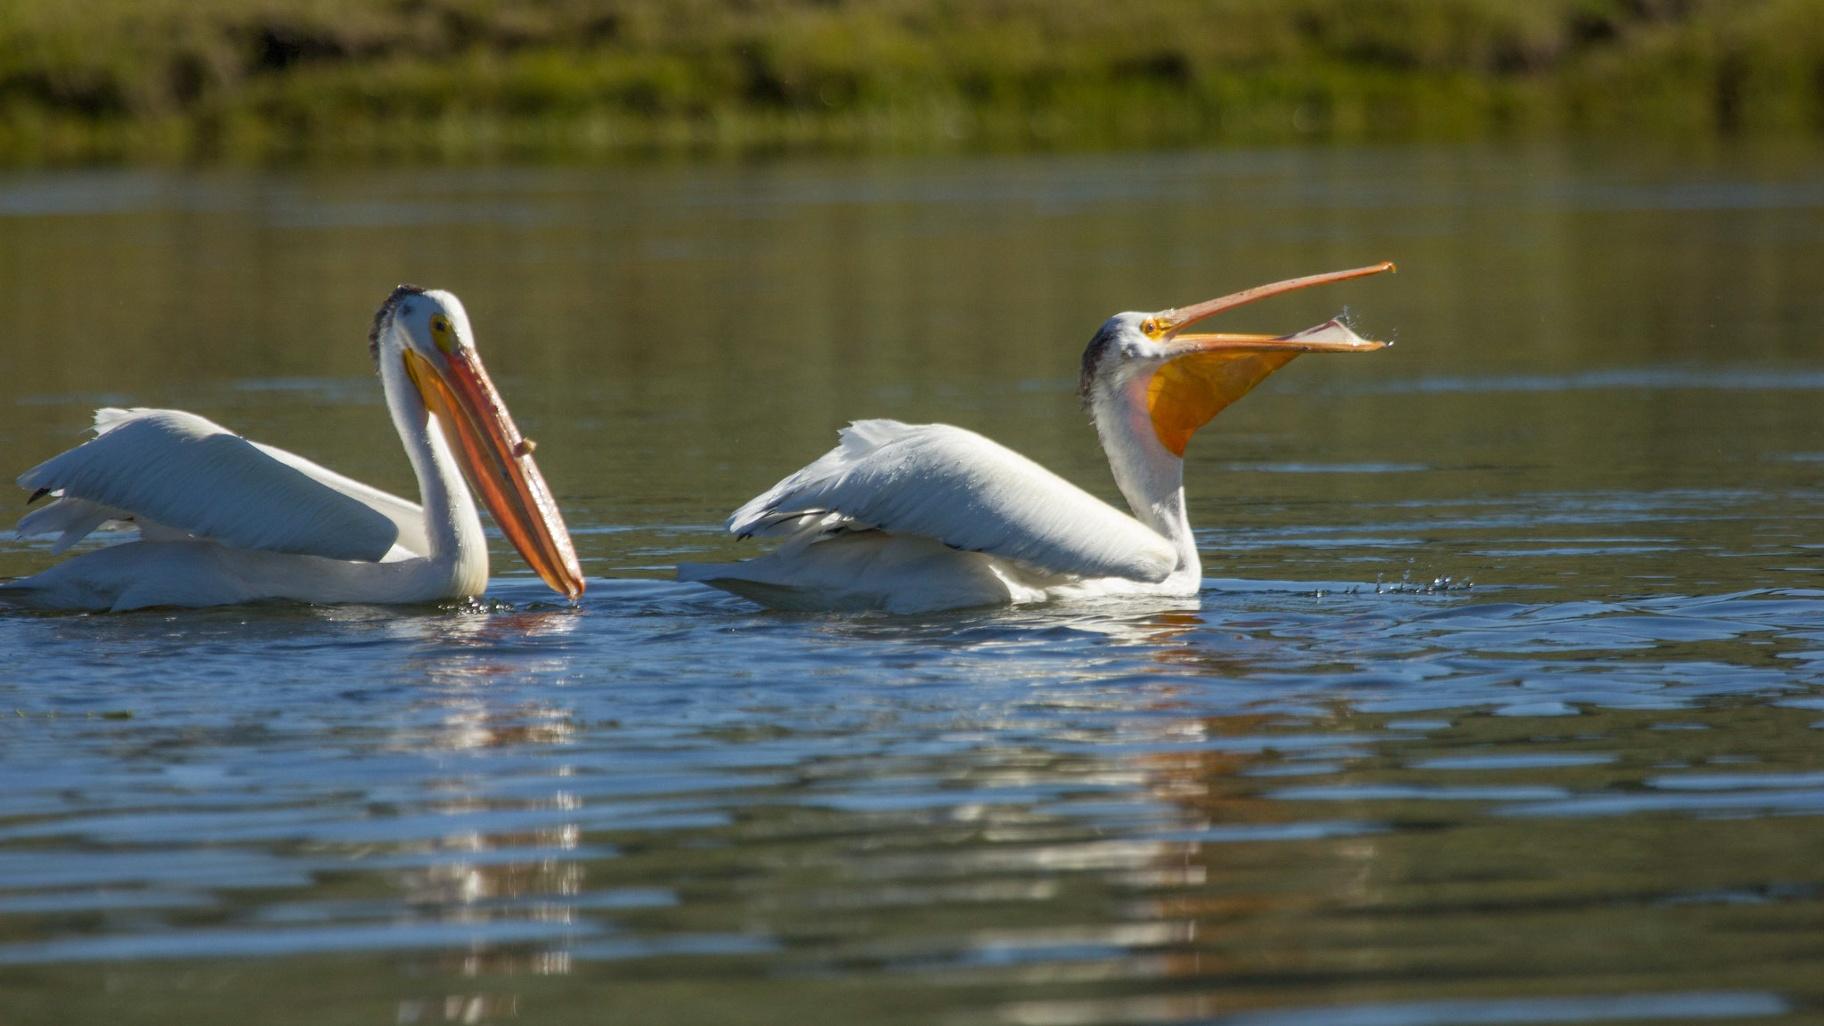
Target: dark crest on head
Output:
{"points": [[385, 313], [1098, 348]]}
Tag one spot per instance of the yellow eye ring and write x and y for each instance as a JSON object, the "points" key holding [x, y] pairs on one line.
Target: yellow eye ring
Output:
{"points": [[1151, 327], [442, 334]]}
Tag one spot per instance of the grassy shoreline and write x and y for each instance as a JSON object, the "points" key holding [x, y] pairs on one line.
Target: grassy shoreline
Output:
{"points": [[476, 80]]}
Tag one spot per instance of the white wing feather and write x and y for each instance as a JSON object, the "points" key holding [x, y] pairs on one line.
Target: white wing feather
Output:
{"points": [[70, 519], [184, 472], [955, 486], [406, 515]]}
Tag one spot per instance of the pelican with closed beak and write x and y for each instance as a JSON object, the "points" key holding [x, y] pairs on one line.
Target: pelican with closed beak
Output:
{"points": [[224, 520]]}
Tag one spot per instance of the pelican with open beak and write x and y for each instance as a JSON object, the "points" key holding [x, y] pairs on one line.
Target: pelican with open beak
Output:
{"points": [[907, 517], [224, 520]]}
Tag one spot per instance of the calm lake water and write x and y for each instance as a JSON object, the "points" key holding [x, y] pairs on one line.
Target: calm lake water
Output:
{"points": [[1504, 702]]}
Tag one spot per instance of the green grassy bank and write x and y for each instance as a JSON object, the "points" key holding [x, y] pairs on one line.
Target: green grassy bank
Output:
{"points": [[489, 79]]}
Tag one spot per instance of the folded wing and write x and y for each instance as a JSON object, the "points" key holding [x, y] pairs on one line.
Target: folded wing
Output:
{"points": [[961, 489], [177, 471]]}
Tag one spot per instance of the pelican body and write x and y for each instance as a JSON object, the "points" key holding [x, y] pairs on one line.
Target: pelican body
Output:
{"points": [[224, 520], [919, 517]]}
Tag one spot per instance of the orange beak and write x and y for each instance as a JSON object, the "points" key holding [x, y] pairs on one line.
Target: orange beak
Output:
{"points": [[1204, 373], [498, 462]]}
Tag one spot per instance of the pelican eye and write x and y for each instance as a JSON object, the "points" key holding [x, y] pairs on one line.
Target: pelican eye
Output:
{"points": [[1152, 327], [442, 333]]}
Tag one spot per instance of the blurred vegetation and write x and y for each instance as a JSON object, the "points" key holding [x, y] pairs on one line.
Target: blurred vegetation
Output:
{"points": [[485, 79]]}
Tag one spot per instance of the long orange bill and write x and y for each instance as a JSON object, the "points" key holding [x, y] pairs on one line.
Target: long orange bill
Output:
{"points": [[1189, 315], [1332, 341], [1210, 371], [498, 462]]}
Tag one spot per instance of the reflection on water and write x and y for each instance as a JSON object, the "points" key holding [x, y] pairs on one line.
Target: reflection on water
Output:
{"points": [[1503, 706], [1096, 818]]}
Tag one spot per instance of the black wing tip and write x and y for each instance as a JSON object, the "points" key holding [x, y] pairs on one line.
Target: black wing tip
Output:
{"points": [[773, 516]]}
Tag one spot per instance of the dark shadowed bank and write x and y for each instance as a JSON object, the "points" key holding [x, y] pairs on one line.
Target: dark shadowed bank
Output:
{"points": [[489, 79]]}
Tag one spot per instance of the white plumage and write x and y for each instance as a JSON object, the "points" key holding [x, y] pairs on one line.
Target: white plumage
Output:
{"points": [[194, 478], [911, 517], [908, 518], [225, 520], [963, 490], [918, 517]]}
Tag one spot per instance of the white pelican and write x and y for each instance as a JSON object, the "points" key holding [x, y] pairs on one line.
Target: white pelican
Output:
{"points": [[919, 517], [224, 520]]}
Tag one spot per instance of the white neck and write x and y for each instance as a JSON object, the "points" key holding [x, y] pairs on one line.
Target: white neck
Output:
{"points": [[1149, 475], [451, 522]]}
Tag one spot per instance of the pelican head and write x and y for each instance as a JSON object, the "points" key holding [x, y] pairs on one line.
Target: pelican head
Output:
{"points": [[425, 333], [1148, 362]]}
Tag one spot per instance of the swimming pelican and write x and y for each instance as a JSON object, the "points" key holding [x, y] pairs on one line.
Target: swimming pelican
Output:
{"points": [[918, 517], [224, 520]]}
